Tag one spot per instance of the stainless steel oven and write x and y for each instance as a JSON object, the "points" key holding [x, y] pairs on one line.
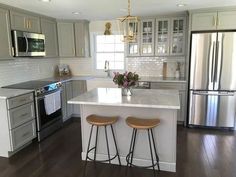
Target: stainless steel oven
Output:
{"points": [[46, 124], [28, 44]]}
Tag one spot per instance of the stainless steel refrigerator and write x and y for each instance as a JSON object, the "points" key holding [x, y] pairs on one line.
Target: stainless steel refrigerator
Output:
{"points": [[212, 79]]}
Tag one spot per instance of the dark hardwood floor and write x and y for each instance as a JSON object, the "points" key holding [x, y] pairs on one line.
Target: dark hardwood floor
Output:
{"points": [[200, 153]]}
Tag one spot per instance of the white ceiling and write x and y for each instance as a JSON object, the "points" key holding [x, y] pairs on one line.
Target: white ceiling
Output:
{"points": [[111, 9]]}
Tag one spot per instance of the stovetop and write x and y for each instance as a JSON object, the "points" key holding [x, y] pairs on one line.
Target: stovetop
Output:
{"points": [[34, 84], [40, 87]]}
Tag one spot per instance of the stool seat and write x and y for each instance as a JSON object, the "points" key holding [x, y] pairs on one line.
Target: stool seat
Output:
{"points": [[101, 120], [138, 123]]}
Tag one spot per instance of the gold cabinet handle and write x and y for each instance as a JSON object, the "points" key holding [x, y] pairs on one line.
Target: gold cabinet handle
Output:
{"points": [[25, 23]]}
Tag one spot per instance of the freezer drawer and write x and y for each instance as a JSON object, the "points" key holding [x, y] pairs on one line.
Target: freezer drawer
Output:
{"points": [[212, 108]]}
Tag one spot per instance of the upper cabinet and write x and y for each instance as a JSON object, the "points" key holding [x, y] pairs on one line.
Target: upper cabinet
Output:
{"points": [[133, 47], [49, 29], [73, 39], [5, 38], [82, 42], [170, 36], [147, 37], [66, 39], [25, 22], [217, 20]]}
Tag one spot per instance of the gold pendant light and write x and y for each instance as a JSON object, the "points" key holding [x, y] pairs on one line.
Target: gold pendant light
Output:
{"points": [[128, 26]]}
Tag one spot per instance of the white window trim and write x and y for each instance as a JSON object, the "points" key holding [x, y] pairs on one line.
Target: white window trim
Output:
{"points": [[93, 55]]}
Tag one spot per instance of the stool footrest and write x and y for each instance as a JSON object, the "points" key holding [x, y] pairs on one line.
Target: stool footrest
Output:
{"points": [[102, 160]]}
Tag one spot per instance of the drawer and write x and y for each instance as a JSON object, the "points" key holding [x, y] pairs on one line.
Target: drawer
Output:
{"points": [[175, 86], [21, 115], [20, 100], [22, 135]]}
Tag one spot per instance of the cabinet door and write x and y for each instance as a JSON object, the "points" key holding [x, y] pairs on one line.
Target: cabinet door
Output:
{"points": [[66, 39], [226, 20], [147, 37], [82, 39], [182, 111], [78, 87], [18, 21], [133, 48], [204, 21], [49, 29], [64, 102], [178, 36], [69, 95], [5, 38], [33, 24], [162, 37]]}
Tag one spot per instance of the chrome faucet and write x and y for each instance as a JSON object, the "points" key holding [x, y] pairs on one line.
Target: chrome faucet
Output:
{"points": [[107, 69]]}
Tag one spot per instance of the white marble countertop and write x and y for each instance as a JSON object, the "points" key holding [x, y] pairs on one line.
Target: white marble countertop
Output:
{"points": [[9, 93], [165, 99]]}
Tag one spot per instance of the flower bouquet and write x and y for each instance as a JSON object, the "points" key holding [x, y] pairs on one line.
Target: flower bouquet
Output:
{"points": [[126, 81]]}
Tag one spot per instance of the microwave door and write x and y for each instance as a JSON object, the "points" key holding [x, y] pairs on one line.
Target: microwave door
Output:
{"points": [[36, 44], [20, 43]]}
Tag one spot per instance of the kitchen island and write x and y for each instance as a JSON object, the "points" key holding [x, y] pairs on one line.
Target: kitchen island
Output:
{"points": [[144, 103]]}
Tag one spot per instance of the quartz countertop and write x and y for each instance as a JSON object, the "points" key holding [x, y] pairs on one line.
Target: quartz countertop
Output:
{"points": [[9, 93], [142, 78], [149, 98]]}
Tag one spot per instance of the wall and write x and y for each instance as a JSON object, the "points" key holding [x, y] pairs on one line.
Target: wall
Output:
{"points": [[25, 69]]}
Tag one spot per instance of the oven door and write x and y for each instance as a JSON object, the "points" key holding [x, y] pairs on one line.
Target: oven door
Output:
{"points": [[44, 120]]}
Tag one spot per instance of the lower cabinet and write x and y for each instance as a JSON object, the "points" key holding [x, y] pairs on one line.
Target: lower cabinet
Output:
{"points": [[182, 95], [71, 89], [17, 123]]}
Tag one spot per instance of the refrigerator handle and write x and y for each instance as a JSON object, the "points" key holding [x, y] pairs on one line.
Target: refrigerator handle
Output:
{"points": [[214, 93], [213, 61], [219, 56]]}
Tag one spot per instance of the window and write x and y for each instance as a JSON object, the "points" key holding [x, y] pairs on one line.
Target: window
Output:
{"points": [[109, 48]]}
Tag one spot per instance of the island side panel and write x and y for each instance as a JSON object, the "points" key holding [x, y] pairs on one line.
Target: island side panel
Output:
{"points": [[165, 134]]}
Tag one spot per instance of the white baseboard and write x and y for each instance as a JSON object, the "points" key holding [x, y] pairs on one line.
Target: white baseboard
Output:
{"points": [[164, 166]]}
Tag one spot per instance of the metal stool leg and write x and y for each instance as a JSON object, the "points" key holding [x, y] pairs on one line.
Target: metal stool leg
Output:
{"points": [[117, 153], [96, 142], [107, 145], [91, 131], [132, 152], [150, 145], [157, 158], [131, 144]]}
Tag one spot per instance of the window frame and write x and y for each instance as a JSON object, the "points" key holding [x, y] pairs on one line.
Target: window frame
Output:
{"points": [[95, 53]]}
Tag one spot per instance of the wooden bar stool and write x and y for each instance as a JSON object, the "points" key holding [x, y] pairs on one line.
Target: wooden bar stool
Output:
{"points": [[143, 124], [99, 121]]}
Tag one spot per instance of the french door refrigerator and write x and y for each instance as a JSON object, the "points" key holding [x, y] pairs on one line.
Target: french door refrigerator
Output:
{"points": [[212, 100]]}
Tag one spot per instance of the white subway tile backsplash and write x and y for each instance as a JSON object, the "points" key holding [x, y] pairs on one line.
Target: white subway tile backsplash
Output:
{"points": [[25, 69], [153, 66]]}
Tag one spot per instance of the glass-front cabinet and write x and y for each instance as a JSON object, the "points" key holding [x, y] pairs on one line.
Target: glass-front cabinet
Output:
{"points": [[133, 47], [147, 37], [177, 36], [170, 36], [162, 36]]}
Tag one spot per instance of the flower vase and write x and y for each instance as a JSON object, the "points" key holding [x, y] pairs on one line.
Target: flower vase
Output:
{"points": [[126, 91]]}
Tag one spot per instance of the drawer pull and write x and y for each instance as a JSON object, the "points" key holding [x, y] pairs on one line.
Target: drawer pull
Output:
{"points": [[26, 134], [23, 115]]}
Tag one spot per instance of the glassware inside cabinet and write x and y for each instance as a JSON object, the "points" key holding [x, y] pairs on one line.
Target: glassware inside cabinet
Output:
{"points": [[133, 47], [147, 40]]}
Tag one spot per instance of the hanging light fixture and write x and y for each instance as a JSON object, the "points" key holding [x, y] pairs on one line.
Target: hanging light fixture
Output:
{"points": [[128, 26]]}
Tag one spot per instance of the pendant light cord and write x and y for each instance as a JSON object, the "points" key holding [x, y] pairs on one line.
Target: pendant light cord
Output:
{"points": [[129, 7]]}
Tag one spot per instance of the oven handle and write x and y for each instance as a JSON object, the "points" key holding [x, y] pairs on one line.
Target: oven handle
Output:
{"points": [[27, 43], [42, 97]]}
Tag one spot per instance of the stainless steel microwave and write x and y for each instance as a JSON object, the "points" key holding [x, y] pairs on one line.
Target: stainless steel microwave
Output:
{"points": [[28, 44]]}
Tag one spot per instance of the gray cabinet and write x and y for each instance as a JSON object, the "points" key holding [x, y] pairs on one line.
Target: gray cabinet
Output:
{"points": [[49, 29], [67, 94], [5, 38], [25, 22], [182, 95], [82, 41], [66, 39], [79, 87]]}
